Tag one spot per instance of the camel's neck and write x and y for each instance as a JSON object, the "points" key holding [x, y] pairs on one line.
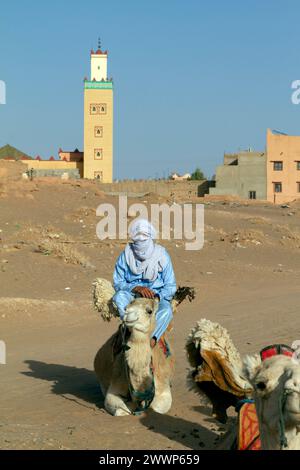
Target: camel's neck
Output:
{"points": [[139, 360], [271, 441], [269, 424]]}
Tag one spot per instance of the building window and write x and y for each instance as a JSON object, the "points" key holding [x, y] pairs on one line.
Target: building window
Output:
{"points": [[102, 109], [277, 166], [98, 154], [93, 109], [98, 175], [252, 194], [98, 108], [298, 187], [98, 131], [277, 187], [298, 165]]}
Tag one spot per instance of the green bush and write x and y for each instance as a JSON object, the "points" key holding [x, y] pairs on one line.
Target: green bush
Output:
{"points": [[197, 175]]}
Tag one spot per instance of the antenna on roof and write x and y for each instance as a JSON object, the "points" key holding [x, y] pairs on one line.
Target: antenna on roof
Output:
{"points": [[99, 43]]}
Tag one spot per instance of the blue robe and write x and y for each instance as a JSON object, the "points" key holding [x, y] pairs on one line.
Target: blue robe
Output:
{"points": [[164, 285]]}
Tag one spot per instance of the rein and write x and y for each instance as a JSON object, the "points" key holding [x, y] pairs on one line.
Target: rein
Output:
{"points": [[282, 403], [282, 436], [145, 398], [266, 353]]}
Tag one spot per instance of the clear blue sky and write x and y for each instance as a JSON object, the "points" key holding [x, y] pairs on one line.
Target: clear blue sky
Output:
{"points": [[192, 78]]}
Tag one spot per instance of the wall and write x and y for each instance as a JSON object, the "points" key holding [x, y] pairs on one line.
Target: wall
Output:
{"points": [[229, 158], [253, 176], [51, 165], [283, 148], [227, 177], [238, 180], [72, 173], [164, 188]]}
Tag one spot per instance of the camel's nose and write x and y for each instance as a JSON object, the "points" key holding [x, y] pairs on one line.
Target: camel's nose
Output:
{"points": [[261, 386], [130, 316], [292, 385]]}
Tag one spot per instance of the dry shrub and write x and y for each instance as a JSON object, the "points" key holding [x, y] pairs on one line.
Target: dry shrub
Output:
{"points": [[49, 241], [258, 220], [81, 213], [63, 250], [212, 229], [248, 236], [289, 236], [36, 232], [256, 237]]}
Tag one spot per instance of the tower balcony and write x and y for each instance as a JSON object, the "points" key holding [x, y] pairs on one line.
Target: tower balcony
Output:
{"points": [[94, 85]]}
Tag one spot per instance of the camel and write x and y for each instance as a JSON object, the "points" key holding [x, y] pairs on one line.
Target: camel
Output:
{"points": [[276, 384], [132, 375], [218, 372]]}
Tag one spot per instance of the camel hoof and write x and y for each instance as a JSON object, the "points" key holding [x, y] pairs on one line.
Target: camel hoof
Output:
{"points": [[121, 412], [162, 404]]}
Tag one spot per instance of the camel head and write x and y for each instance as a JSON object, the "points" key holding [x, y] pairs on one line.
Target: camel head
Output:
{"points": [[276, 384], [140, 315]]}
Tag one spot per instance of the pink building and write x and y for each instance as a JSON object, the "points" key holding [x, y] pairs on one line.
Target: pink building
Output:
{"points": [[67, 156], [283, 167]]}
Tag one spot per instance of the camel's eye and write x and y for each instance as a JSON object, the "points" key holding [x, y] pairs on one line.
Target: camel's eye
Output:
{"points": [[261, 386], [149, 310]]}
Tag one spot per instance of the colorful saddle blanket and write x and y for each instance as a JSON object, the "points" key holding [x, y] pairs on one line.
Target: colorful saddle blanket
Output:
{"points": [[248, 430], [164, 345]]}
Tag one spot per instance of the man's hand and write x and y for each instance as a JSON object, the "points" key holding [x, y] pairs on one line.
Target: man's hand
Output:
{"points": [[144, 292]]}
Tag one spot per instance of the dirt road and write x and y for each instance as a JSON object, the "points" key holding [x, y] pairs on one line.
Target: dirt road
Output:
{"points": [[246, 277]]}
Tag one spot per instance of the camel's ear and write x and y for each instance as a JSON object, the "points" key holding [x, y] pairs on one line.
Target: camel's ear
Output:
{"points": [[155, 303], [154, 306], [251, 365]]}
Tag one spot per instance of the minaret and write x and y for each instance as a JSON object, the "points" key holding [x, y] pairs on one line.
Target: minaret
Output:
{"points": [[99, 64], [98, 120]]}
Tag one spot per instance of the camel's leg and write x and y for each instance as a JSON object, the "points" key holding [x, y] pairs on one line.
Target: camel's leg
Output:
{"points": [[162, 401], [115, 404]]}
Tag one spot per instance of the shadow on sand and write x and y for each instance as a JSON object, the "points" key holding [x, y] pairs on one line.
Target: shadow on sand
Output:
{"points": [[187, 433], [68, 381], [75, 384]]}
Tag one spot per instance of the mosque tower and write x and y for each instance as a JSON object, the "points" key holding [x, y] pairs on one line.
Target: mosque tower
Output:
{"points": [[98, 120]]}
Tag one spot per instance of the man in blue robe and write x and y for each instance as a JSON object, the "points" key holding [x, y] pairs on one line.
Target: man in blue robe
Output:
{"points": [[144, 268]]}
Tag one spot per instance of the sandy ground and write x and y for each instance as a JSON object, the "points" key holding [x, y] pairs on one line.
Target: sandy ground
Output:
{"points": [[246, 277]]}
